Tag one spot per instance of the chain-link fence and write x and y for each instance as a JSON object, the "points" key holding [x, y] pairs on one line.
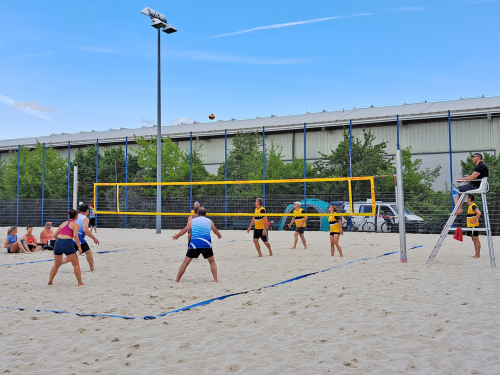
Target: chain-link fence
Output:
{"points": [[423, 214]]}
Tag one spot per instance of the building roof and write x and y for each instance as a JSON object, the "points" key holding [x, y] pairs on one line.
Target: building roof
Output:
{"points": [[371, 115]]}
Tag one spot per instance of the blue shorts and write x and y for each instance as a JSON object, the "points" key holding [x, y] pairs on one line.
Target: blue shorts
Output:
{"points": [[64, 246]]}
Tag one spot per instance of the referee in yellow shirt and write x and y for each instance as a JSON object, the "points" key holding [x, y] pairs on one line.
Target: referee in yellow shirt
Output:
{"points": [[260, 230], [300, 225]]}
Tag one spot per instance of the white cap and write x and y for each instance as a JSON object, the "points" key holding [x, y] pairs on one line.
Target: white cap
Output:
{"points": [[296, 203]]}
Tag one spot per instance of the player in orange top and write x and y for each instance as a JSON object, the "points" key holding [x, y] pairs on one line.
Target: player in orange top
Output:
{"points": [[260, 222], [300, 225]]}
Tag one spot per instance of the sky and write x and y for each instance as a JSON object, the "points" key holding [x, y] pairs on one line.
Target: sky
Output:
{"points": [[81, 66]]}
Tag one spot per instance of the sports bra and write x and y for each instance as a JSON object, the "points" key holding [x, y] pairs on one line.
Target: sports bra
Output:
{"points": [[67, 231]]}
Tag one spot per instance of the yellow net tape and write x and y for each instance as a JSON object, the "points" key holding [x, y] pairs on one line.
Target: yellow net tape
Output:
{"points": [[371, 179]]}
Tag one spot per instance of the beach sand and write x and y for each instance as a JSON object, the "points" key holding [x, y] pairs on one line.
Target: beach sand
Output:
{"points": [[376, 316]]}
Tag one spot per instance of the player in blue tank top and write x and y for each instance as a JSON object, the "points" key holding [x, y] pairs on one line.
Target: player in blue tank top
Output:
{"points": [[201, 242], [83, 231]]}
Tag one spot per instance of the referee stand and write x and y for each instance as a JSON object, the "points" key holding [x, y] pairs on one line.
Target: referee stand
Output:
{"points": [[483, 190]]}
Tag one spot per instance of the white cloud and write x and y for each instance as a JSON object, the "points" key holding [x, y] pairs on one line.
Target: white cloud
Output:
{"points": [[98, 49], [12, 104], [182, 120], [216, 56], [37, 54], [280, 25], [148, 122], [31, 105]]}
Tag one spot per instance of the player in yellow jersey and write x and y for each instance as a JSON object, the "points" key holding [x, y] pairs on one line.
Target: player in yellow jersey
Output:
{"points": [[335, 229], [473, 215], [300, 225], [260, 222], [194, 213]]}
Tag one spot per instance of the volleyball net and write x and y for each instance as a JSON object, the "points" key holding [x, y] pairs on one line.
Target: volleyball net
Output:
{"points": [[234, 200]]}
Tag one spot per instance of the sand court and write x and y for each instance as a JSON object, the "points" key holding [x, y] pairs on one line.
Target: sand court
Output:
{"points": [[371, 316]]}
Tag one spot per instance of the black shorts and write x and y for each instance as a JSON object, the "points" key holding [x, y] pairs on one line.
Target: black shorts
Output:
{"points": [[195, 253], [85, 247], [300, 230], [92, 222], [472, 233], [334, 233], [31, 247], [257, 233]]}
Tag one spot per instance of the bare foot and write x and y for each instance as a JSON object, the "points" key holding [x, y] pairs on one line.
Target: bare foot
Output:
{"points": [[270, 253], [341, 256], [459, 211], [305, 247], [293, 248], [49, 283], [80, 283], [476, 256]]}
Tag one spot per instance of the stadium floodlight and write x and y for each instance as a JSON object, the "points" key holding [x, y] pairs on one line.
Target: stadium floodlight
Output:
{"points": [[159, 22]]}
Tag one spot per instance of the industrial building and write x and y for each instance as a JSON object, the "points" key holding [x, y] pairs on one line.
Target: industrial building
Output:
{"points": [[423, 126]]}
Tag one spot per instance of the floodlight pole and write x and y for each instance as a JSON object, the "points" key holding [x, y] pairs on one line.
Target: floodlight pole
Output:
{"points": [[158, 145]]}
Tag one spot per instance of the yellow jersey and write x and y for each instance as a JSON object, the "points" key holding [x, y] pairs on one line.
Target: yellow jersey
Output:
{"points": [[471, 213], [299, 218], [334, 224], [259, 220]]}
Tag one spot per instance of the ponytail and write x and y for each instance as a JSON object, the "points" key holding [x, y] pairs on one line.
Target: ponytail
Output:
{"points": [[10, 230]]}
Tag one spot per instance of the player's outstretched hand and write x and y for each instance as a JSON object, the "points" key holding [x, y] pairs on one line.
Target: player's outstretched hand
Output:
{"points": [[175, 237]]}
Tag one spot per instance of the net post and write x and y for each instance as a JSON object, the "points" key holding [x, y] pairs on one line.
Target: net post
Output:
{"points": [[96, 172], [18, 170], [75, 188], [117, 198], [401, 202], [190, 169], [225, 178], [350, 148], [451, 159], [372, 191], [264, 163], [43, 178], [350, 198]]}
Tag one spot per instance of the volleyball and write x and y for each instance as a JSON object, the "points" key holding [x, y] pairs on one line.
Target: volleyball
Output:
{"points": [[211, 116]]}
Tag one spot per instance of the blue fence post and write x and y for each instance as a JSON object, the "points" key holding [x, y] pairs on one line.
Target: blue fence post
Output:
{"points": [[225, 177], [264, 164], [43, 177], [451, 159], [350, 163], [96, 170], [350, 148], [18, 168], [190, 170], [305, 165], [126, 179], [69, 170]]}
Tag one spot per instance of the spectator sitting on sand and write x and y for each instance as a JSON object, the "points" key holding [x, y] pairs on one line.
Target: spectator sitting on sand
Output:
{"points": [[13, 244], [47, 237], [30, 240]]}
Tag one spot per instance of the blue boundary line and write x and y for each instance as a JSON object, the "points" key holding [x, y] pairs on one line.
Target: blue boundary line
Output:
{"points": [[206, 302]]}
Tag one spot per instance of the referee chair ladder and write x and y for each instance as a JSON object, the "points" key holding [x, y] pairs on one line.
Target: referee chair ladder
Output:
{"points": [[483, 189]]}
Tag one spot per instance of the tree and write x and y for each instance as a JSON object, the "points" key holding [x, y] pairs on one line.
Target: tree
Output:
{"points": [[244, 162], [175, 167], [368, 159], [31, 173], [86, 162]]}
